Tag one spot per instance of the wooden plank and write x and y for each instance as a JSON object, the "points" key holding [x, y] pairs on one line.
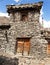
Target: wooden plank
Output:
{"points": [[48, 48], [20, 47]]}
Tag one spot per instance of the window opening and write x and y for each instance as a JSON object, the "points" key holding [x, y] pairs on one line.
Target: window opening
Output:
{"points": [[24, 16]]}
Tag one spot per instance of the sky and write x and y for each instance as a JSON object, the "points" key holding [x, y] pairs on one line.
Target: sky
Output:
{"points": [[45, 11]]}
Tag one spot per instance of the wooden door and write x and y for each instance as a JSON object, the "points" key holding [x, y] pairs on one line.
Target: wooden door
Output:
{"points": [[23, 46], [48, 48], [26, 47], [20, 47]]}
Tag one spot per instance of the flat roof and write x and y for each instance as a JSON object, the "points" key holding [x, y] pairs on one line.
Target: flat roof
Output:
{"points": [[37, 5]]}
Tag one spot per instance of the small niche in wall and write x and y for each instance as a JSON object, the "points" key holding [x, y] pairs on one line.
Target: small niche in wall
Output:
{"points": [[24, 16]]}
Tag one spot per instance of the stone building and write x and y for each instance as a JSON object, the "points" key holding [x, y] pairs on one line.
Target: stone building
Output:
{"points": [[46, 34], [22, 37]]}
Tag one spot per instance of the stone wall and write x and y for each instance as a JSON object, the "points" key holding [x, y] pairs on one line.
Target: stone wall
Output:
{"points": [[3, 41], [30, 28], [30, 61]]}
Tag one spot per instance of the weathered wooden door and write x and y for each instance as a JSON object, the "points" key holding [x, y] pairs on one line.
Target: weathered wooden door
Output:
{"points": [[26, 46], [20, 46], [23, 46], [48, 48]]}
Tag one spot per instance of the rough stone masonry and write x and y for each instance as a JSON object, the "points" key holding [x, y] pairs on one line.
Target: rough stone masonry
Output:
{"points": [[22, 37]]}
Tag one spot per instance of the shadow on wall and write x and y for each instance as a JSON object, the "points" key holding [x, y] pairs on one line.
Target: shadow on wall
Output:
{"points": [[8, 61]]}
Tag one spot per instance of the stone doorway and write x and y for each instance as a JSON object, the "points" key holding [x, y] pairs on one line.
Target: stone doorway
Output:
{"points": [[23, 46]]}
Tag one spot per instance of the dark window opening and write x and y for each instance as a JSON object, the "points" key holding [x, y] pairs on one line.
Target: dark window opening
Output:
{"points": [[4, 27], [24, 16]]}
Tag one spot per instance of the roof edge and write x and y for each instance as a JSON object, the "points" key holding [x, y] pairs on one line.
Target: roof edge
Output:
{"points": [[22, 6]]}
